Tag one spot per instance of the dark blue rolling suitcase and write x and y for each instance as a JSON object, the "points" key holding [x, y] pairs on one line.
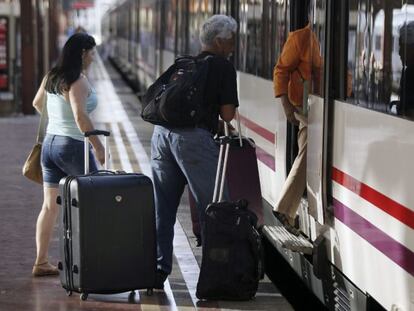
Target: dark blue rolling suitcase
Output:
{"points": [[107, 231]]}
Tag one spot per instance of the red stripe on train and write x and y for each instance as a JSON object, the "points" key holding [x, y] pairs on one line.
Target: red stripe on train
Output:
{"points": [[266, 134], [262, 155], [391, 207], [266, 158]]}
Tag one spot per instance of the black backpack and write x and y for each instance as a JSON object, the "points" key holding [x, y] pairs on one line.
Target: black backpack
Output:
{"points": [[176, 97]]}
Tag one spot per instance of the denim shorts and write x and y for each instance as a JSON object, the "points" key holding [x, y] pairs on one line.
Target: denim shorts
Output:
{"points": [[63, 156]]}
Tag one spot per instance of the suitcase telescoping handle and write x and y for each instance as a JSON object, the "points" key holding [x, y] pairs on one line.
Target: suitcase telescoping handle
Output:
{"points": [[95, 133], [222, 163], [239, 127]]}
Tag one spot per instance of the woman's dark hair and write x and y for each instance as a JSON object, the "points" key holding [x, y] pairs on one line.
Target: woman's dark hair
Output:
{"points": [[69, 65]]}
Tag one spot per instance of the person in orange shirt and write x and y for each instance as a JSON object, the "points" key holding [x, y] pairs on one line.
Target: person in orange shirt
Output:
{"points": [[296, 72]]}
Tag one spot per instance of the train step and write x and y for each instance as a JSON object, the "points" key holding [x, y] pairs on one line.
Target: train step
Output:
{"points": [[288, 240]]}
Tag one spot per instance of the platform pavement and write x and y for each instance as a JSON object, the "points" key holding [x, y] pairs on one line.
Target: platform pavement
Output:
{"points": [[20, 202]]}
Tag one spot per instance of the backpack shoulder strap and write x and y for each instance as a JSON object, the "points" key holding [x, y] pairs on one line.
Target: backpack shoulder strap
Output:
{"points": [[208, 56], [165, 76], [184, 57]]}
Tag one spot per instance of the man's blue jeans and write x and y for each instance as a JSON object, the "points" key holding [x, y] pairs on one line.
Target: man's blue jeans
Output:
{"points": [[180, 156]]}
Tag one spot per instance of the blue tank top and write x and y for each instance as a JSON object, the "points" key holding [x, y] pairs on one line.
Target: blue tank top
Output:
{"points": [[61, 119]]}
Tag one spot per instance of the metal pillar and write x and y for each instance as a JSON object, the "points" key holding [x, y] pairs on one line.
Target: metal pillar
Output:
{"points": [[54, 10], [29, 54]]}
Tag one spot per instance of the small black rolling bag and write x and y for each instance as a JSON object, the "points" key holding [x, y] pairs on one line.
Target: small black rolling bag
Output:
{"points": [[232, 262], [107, 231]]}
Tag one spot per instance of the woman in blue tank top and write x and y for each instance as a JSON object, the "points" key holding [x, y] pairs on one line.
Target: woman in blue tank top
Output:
{"points": [[69, 99]]}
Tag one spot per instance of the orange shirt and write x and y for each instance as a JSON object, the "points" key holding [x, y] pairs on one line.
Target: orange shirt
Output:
{"points": [[300, 59]]}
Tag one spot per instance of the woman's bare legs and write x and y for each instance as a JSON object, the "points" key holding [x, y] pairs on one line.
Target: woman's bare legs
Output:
{"points": [[44, 229]]}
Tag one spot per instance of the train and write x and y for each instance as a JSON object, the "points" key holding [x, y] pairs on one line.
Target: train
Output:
{"points": [[358, 210]]}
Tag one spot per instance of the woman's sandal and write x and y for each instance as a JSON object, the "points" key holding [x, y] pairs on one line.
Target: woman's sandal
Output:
{"points": [[44, 269], [285, 222]]}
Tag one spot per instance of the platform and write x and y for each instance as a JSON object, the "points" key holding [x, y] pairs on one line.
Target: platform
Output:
{"points": [[20, 202]]}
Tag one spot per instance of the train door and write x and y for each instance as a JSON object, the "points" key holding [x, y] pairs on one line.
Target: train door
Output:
{"points": [[297, 18], [315, 108], [311, 13], [371, 146]]}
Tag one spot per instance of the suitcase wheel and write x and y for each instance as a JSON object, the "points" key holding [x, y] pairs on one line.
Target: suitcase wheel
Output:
{"points": [[150, 291], [83, 296], [131, 296], [69, 293]]}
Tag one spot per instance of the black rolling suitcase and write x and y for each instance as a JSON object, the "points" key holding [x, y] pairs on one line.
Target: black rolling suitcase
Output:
{"points": [[107, 231], [242, 175], [232, 255]]}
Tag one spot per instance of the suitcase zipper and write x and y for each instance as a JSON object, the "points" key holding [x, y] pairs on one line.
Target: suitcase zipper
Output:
{"points": [[67, 221]]}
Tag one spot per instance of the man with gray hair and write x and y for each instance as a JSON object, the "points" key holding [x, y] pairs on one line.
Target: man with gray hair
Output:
{"points": [[216, 30], [181, 155], [405, 106]]}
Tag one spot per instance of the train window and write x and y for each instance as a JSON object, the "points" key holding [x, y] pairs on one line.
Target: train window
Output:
{"points": [[265, 57], [123, 24], [225, 7], [250, 35], [131, 32], [380, 58], [147, 36], [170, 10], [182, 27], [195, 24], [199, 11], [318, 25], [279, 22], [262, 33], [134, 22]]}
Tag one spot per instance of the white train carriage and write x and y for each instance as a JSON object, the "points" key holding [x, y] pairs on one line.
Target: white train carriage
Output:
{"points": [[359, 206]]}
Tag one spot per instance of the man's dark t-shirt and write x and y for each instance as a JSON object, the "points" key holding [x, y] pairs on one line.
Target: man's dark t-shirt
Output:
{"points": [[220, 89]]}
